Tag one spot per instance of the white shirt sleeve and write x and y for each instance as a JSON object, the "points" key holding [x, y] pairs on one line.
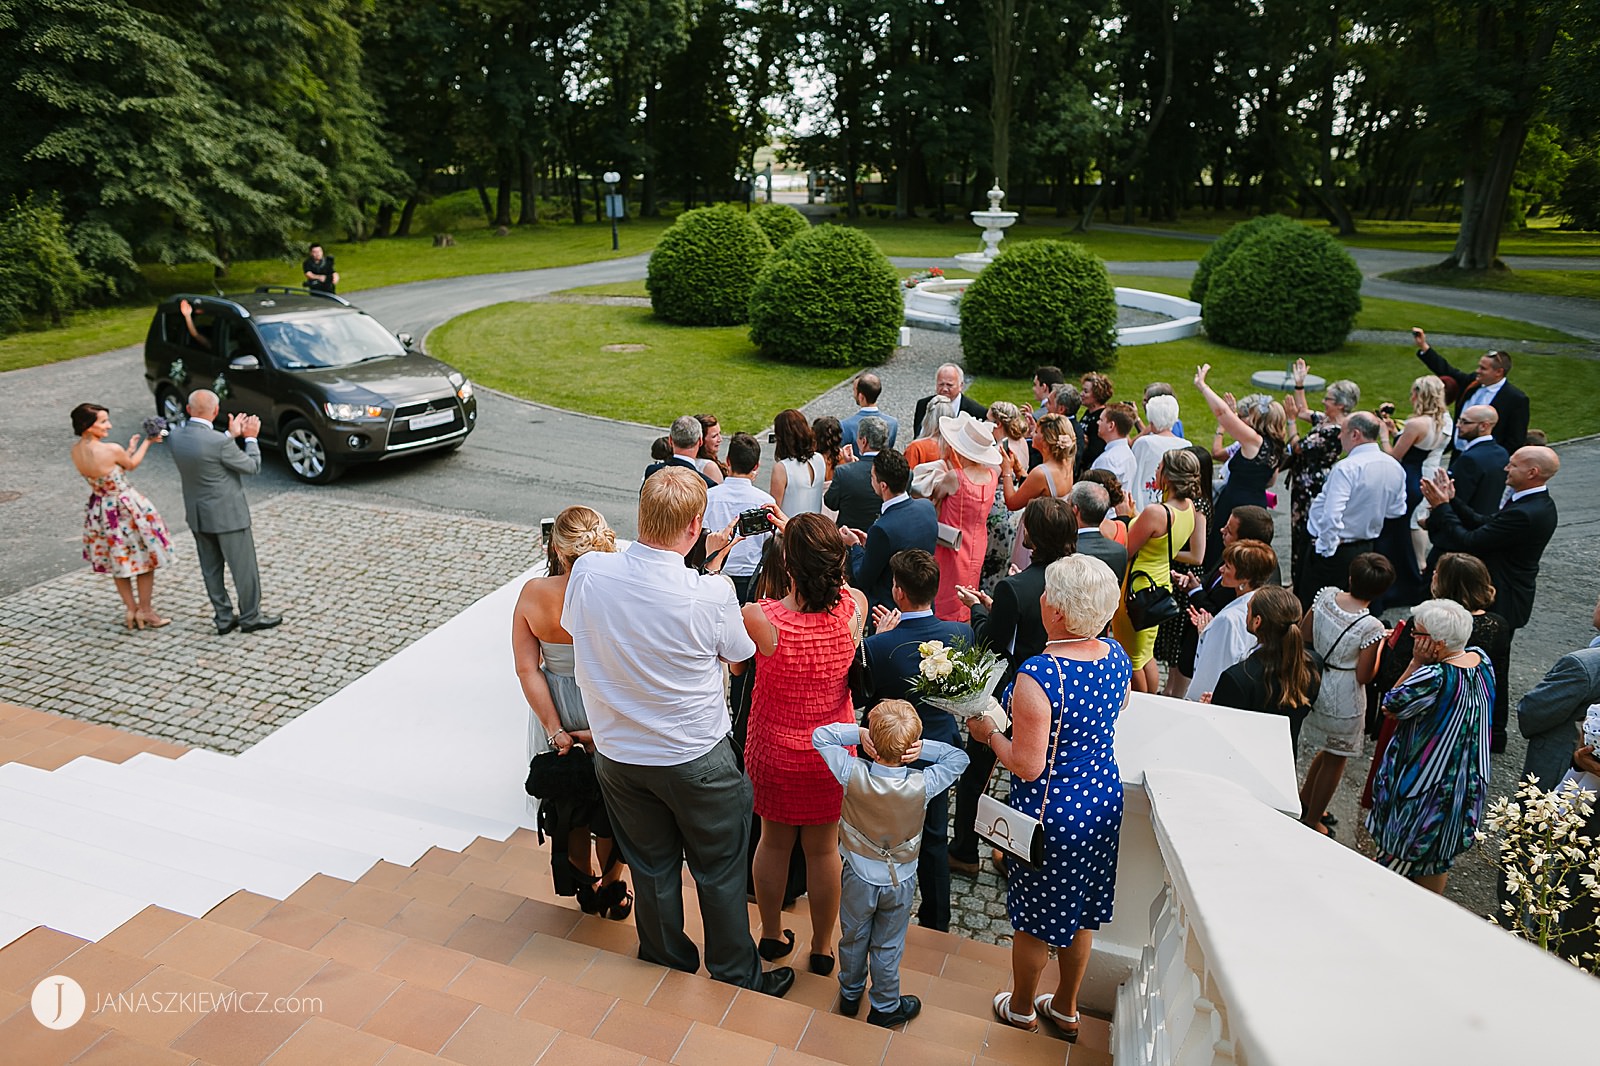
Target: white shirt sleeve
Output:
{"points": [[1325, 520]]}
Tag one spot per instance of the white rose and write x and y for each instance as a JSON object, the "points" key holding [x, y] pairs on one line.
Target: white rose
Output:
{"points": [[931, 647], [929, 669], [943, 667]]}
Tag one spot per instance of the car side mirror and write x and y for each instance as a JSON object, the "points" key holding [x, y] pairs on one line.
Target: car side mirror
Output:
{"points": [[244, 362], [404, 339]]}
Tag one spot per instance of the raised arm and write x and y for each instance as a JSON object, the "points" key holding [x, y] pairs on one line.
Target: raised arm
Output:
{"points": [[1234, 426]]}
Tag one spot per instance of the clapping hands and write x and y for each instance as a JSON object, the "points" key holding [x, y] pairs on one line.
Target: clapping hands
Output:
{"points": [[1438, 489]]}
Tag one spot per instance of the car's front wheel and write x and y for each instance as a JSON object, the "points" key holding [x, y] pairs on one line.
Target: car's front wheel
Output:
{"points": [[169, 405], [306, 455]]}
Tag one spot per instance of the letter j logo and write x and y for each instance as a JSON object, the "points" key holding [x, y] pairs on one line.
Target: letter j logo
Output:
{"points": [[58, 1002]]}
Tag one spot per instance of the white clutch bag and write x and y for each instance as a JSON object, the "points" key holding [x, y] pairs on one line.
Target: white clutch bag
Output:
{"points": [[1011, 831]]}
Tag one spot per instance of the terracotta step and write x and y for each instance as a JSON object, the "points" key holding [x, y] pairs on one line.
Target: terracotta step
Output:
{"points": [[48, 741]]}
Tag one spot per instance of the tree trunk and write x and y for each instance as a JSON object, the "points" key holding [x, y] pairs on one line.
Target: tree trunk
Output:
{"points": [[380, 228], [1121, 173], [648, 208], [407, 213], [483, 198], [528, 214]]}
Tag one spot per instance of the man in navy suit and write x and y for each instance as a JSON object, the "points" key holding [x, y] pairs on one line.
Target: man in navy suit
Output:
{"points": [[903, 524], [1092, 501], [1510, 540], [1479, 467], [868, 388], [948, 383], [893, 662], [1486, 384], [685, 437], [851, 493]]}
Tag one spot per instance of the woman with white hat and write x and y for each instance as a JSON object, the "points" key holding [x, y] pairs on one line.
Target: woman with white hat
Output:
{"points": [[967, 495]]}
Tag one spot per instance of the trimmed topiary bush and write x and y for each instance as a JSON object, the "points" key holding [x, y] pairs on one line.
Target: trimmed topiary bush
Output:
{"points": [[1226, 245], [705, 265], [1286, 289], [1040, 303], [828, 297], [779, 222]]}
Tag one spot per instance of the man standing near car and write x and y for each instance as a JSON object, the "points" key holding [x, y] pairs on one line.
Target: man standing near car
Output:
{"points": [[211, 465], [320, 275]]}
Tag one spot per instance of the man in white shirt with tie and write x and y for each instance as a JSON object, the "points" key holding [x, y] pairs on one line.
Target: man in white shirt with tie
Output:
{"points": [[1363, 489]]}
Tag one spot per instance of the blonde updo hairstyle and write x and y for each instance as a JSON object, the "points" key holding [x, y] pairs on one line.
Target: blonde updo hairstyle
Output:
{"points": [[1084, 590], [1009, 417], [577, 531], [1427, 398], [1060, 441]]}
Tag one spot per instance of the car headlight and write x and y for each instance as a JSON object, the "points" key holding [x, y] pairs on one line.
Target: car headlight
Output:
{"points": [[352, 412], [465, 391]]}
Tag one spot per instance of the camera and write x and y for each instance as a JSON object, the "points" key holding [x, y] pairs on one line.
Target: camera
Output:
{"points": [[772, 438], [754, 522], [1386, 409]]}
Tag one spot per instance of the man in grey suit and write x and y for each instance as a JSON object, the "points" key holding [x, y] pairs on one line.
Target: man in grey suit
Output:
{"points": [[211, 466], [1549, 714], [851, 493], [1091, 501]]}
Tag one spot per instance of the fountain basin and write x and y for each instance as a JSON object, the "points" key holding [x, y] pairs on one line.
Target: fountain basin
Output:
{"points": [[936, 304]]}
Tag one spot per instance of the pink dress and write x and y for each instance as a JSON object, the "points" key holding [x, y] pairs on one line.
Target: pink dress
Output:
{"points": [[803, 684], [967, 509]]}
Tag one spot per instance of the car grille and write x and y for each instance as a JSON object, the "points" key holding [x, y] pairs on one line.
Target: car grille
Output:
{"points": [[401, 435]]}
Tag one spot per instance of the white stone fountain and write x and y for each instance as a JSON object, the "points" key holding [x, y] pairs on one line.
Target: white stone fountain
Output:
{"points": [[936, 302], [994, 222]]}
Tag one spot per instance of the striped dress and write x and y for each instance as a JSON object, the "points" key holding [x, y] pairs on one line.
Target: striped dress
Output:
{"points": [[1428, 793]]}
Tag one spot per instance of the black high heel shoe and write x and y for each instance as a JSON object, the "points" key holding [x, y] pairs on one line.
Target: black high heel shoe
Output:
{"points": [[615, 901], [588, 896]]}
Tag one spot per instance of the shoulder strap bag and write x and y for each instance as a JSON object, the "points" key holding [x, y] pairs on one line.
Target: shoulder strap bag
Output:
{"points": [[1152, 605], [1019, 835]]}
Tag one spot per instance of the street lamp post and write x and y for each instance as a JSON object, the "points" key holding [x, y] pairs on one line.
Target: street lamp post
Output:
{"points": [[613, 202]]}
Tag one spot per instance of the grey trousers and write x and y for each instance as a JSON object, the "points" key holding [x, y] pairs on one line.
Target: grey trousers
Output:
{"points": [[873, 920], [238, 551], [699, 811]]}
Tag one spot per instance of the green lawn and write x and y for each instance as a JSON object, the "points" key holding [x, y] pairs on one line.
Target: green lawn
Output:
{"points": [[555, 354], [1383, 372], [1581, 283]]}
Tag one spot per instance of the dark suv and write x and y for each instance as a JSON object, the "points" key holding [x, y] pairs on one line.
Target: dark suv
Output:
{"points": [[330, 385]]}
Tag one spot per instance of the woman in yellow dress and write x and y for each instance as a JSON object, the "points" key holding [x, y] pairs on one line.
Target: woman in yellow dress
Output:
{"points": [[1167, 529]]}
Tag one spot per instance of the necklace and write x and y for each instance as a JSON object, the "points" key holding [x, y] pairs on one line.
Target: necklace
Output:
{"points": [[1070, 640]]}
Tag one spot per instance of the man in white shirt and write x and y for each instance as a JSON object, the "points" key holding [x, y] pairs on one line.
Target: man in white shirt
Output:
{"points": [[650, 636], [1363, 489], [1157, 440], [736, 495], [1114, 425]]}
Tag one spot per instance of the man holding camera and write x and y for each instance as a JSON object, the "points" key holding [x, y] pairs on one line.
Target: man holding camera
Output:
{"points": [[1486, 384], [727, 501]]}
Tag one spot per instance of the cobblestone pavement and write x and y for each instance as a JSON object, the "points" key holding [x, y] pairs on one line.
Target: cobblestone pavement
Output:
{"points": [[355, 584]]}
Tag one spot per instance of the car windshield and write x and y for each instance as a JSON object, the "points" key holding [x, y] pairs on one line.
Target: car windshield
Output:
{"points": [[317, 341]]}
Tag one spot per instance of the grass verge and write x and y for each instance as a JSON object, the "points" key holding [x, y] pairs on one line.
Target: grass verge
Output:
{"points": [[557, 354], [1581, 283]]}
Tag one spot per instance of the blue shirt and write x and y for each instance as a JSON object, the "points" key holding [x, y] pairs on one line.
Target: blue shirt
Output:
{"points": [[948, 762]]}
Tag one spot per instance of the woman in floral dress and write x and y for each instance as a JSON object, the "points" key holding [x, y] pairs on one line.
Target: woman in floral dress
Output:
{"points": [[1311, 456], [122, 534]]}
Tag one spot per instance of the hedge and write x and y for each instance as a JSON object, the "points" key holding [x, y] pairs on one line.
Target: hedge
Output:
{"points": [[780, 222], [1039, 303], [828, 297], [1226, 245], [1286, 289], [705, 265]]}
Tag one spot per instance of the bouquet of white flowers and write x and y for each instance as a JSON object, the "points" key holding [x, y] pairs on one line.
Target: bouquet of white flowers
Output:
{"points": [[959, 678]]}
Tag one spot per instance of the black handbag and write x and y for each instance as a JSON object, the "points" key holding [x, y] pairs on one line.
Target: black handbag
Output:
{"points": [[569, 797], [1152, 605]]}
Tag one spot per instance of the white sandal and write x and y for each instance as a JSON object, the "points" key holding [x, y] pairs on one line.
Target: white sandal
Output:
{"points": [[1067, 1023], [1028, 1023]]}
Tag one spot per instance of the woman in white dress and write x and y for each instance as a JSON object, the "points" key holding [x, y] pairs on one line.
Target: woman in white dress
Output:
{"points": [[1419, 446], [799, 476]]}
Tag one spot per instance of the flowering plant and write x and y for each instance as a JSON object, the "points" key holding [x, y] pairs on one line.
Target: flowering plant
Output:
{"points": [[959, 678], [1548, 865], [913, 280]]}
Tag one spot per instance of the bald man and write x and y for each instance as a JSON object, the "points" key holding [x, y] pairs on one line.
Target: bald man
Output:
{"points": [[1479, 466], [949, 383], [1510, 540], [212, 465]]}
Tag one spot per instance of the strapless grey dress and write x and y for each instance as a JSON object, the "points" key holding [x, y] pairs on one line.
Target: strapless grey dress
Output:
{"points": [[559, 669]]}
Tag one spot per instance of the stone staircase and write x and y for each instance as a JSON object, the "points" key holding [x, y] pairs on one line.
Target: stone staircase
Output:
{"points": [[420, 934]]}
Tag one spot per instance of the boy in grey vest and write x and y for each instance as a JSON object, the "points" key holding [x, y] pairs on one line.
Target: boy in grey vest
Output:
{"points": [[880, 834]]}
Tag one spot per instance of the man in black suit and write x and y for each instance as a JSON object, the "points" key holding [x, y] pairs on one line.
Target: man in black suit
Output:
{"points": [[685, 436], [851, 493], [1510, 540], [948, 382], [903, 524], [1479, 466], [1486, 385], [1009, 622], [1091, 501], [893, 663]]}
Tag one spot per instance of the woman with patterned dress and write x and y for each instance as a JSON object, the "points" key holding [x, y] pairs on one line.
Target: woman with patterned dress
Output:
{"points": [[546, 663], [1428, 794], [1258, 427], [1064, 707], [964, 495], [122, 534], [1010, 436], [804, 645], [1159, 534], [1311, 456]]}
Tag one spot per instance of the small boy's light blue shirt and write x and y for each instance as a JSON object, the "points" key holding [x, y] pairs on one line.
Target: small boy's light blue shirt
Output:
{"points": [[948, 763]]}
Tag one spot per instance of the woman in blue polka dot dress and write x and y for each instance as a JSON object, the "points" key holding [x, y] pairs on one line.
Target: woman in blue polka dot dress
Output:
{"points": [[1064, 708]]}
